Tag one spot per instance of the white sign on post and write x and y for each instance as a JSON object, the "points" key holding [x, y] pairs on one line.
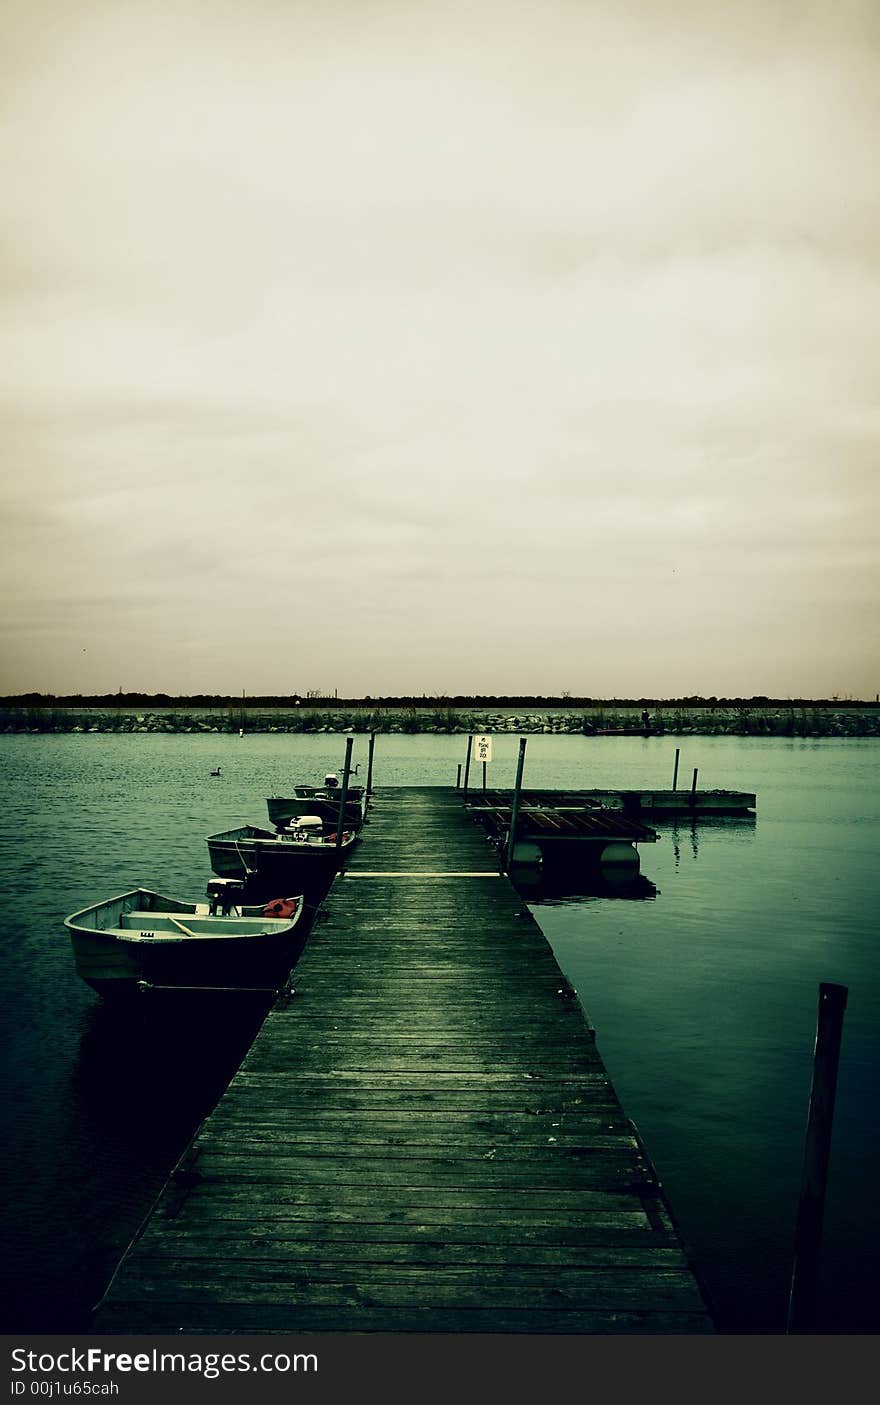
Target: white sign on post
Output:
{"points": [[483, 748]]}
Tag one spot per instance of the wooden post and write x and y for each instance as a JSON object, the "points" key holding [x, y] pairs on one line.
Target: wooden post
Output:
{"points": [[349, 743], [484, 775], [370, 763], [467, 763], [694, 789], [514, 810], [675, 770], [458, 777], [811, 1206]]}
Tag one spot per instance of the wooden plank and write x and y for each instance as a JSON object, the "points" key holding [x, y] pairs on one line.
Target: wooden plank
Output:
{"points": [[418, 1252], [417, 1140], [595, 1170], [506, 1210], [387, 1286], [505, 1201], [212, 1221], [150, 1313]]}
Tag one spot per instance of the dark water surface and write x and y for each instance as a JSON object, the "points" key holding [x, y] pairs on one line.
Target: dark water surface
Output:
{"points": [[702, 989]]}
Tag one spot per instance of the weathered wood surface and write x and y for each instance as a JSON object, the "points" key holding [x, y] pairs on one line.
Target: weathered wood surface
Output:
{"points": [[644, 800], [422, 1138], [599, 826]]}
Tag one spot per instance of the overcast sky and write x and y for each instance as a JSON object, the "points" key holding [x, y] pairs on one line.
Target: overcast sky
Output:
{"points": [[439, 348]]}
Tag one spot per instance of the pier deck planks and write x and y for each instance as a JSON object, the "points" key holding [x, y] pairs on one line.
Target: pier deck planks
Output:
{"points": [[422, 1137]]}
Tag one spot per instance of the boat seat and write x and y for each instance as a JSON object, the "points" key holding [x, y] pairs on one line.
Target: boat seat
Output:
{"points": [[199, 924], [146, 922], [211, 926]]}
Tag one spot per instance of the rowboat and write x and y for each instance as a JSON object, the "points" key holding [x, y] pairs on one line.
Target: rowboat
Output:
{"points": [[305, 853], [143, 939], [322, 800]]}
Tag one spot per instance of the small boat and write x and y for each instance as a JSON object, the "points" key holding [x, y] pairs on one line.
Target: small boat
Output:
{"points": [[319, 800], [305, 852], [218, 771], [322, 800], [142, 938]]}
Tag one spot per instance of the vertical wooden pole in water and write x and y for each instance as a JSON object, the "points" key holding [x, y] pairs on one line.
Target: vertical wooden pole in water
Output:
{"points": [[694, 789], [675, 768], [458, 777], [484, 775], [467, 763], [340, 823], [811, 1206], [514, 810], [370, 763]]}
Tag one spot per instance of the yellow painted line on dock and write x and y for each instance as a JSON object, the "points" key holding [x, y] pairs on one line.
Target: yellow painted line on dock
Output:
{"points": [[422, 873]]}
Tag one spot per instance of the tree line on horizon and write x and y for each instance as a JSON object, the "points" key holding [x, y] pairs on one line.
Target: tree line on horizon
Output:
{"points": [[479, 700]]}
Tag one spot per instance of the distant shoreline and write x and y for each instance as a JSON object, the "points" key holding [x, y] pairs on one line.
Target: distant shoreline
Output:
{"points": [[460, 702], [752, 719]]}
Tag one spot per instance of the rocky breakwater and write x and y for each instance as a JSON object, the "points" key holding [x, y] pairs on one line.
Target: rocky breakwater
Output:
{"points": [[597, 721]]}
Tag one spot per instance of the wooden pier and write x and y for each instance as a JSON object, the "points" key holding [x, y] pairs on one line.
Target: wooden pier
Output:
{"points": [[422, 1138]]}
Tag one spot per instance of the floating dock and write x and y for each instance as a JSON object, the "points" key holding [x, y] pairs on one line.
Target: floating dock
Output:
{"points": [[631, 802], [571, 837], [422, 1138], [596, 827]]}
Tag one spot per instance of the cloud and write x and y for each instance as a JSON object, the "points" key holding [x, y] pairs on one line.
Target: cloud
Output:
{"points": [[434, 304]]}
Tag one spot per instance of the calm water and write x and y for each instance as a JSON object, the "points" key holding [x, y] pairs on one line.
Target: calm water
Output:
{"points": [[703, 995]]}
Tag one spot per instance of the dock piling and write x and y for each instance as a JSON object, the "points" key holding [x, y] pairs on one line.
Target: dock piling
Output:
{"points": [[675, 769], [467, 763], [370, 763], [340, 823], [458, 777], [811, 1206], [694, 788], [511, 838]]}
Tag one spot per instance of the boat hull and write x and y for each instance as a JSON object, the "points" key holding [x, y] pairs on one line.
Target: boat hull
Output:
{"points": [[115, 966], [270, 863], [283, 809], [218, 952]]}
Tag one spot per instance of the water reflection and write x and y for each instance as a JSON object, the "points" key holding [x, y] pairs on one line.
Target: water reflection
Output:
{"points": [[687, 834], [614, 882], [158, 1048], [144, 1075]]}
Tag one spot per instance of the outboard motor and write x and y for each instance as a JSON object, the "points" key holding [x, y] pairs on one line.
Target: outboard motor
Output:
{"points": [[307, 827], [223, 895], [331, 781]]}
